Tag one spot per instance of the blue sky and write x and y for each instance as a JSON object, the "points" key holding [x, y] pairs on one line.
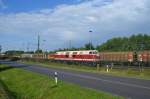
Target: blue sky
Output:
{"points": [[16, 6], [60, 21]]}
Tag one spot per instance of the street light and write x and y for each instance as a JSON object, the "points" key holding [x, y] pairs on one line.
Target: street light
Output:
{"points": [[90, 40], [43, 44], [44, 52]]}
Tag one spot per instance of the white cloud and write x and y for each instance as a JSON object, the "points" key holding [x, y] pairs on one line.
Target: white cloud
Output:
{"points": [[105, 18]]}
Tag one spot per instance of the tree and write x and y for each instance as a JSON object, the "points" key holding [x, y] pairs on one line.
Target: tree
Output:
{"points": [[134, 43], [13, 52], [38, 51], [89, 46]]}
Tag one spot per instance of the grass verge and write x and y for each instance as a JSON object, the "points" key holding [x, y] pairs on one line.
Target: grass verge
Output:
{"points": [[4, 92], [28, 85], [130, 72]]}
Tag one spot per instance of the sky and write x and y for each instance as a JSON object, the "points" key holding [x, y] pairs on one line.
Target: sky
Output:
{"points": [[61, 23]]}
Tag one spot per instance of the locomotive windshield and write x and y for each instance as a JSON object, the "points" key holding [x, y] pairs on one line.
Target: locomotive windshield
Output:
{"points": [[93, 52]]}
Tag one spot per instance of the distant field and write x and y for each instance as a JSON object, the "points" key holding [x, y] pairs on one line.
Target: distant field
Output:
{"points": [[130, 72], [22, 84]]}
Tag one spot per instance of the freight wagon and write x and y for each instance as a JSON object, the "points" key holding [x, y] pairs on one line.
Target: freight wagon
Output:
{"points": [[40, 56], [144, 58], [123, 58]]}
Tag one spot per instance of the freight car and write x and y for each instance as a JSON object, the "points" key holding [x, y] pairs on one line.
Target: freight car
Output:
{"points": [[26, 55], [144, 58], [118, 58], [34, 57], [40, 56]]}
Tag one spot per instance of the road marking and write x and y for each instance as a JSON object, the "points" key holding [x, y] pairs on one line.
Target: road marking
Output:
{"points": [[104, 80]]}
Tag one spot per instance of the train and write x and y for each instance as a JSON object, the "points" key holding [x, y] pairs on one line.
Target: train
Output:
{"points": [[94, 58]]}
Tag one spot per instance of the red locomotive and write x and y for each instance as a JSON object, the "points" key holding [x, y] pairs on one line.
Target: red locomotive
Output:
{"points": [[87, 56]]}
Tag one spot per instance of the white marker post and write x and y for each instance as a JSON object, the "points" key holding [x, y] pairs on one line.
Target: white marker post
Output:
{"points": [[56, 78], [107, 68]]}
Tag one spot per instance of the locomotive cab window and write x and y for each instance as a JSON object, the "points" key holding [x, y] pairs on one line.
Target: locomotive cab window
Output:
{"points": [[66, 56], [67, 53], [74, 53], [90, 52], [81, 52], [94, 52]]}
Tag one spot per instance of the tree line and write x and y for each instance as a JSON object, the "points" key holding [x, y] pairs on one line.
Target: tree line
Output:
{"points": [[133, 43]]}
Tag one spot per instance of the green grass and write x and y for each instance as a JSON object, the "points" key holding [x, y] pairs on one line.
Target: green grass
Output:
{"points": [[3, 66], [134, 73], [24, 84], [4, 93]]}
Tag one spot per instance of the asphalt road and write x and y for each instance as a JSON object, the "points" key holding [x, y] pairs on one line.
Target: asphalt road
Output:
{"points": [[131, 88]]}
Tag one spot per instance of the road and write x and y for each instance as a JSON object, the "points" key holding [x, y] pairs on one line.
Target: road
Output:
{"points": [[131, 88]]}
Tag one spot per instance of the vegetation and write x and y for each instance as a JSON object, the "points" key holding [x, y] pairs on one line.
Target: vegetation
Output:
{"points": [[88, 46], [24, 84], [133, 43], [13, 52], [39, 51], [4, 93]]}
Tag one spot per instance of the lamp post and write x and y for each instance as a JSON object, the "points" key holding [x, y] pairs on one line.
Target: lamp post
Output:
{"points": [[28, 46], [38, 45], [45, 56], [43, 44], [90, 41]]}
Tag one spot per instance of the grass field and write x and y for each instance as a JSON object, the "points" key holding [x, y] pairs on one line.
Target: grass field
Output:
{"points": [[4, 93], [130, 72], [22, 84]]}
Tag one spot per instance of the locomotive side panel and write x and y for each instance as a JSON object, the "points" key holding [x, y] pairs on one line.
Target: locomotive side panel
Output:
{"points": [[89, 55]]}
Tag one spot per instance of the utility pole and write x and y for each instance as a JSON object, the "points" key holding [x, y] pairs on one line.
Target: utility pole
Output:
{"points": [[0, 49], [28, 47], [38, 43], [70, 44]]}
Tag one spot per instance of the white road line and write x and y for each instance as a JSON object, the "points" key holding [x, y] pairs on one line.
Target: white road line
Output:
{"points": [[104, 80]]}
